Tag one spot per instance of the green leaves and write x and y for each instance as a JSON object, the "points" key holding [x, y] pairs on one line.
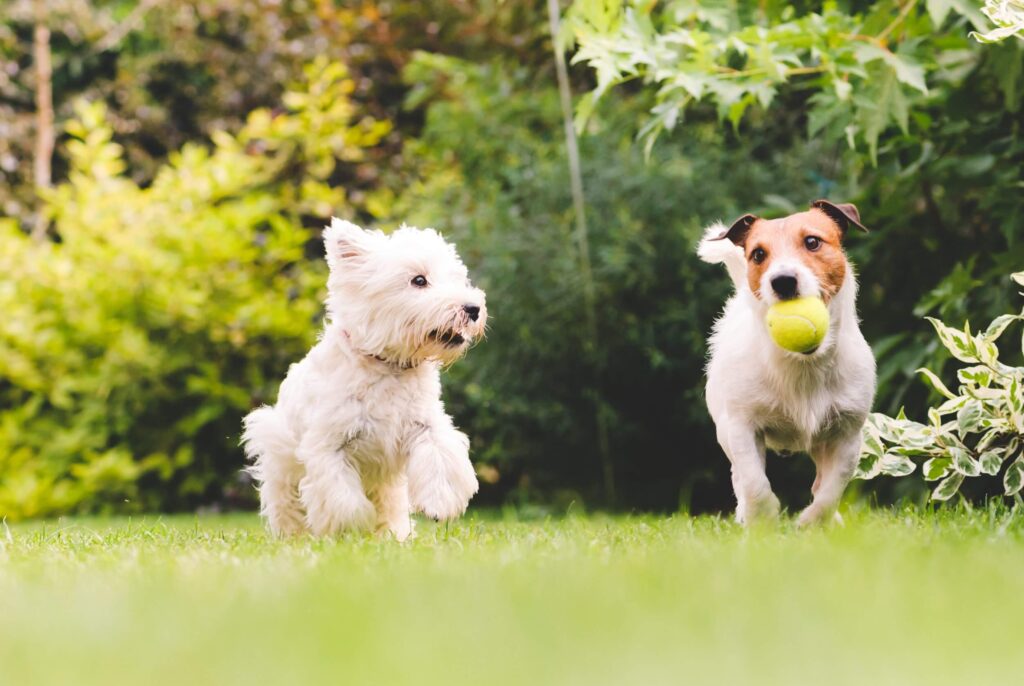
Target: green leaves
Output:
{"points": [[893, 464], [1007, 15], [864, 85], [998, 326], [991, 461], [936, 383], [987, 428], [904, 69], [910, 439], [948, 487], [938, 10], [882, 100], [1013, 480], [936, 468], [963, 462], [969, 417], [130, 350]]}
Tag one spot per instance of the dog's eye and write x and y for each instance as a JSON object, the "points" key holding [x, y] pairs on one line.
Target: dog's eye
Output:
{"points": [[758, 255], [419, 281], [812, 243]]}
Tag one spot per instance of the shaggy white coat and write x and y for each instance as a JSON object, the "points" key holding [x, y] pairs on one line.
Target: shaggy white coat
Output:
{"points": [[762, 396], [359, 438]]}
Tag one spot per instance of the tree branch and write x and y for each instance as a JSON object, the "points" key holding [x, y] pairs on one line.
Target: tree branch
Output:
{"points": [[130, 23], [45, 136]]}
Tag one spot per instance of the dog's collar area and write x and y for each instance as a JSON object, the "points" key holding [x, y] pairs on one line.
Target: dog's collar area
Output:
{"points": [[383, 360], [405, 366]]}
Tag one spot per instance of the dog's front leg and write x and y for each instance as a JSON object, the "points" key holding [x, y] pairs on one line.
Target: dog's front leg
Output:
{"points": [[441, 477], [331, 490], [393, 510], [745, 449], [835, 462]]}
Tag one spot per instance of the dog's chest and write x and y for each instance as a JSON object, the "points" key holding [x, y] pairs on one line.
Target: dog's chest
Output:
{"points": [[389, 397], [388, 411], [793, 414]]}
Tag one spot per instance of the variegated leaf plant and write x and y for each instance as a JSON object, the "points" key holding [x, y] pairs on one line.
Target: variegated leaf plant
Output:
{"points": [[977, 430]]}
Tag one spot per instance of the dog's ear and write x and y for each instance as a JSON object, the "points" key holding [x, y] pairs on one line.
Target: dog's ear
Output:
{"points": [[844, 214], [737, 233], [344, 240]]}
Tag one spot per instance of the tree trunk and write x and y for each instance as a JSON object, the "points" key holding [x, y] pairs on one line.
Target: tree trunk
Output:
{"points": [[44, 110], [583, 244]]}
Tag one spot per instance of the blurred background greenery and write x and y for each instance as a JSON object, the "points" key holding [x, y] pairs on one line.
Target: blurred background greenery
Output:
{"points": [[161, 267]]}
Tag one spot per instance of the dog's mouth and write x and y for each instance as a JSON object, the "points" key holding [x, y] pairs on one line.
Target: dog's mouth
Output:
{"points": [[448, 338]]}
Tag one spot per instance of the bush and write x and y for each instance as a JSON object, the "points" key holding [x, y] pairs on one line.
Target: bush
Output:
{"points": [[985, 424], [494, 176], [491, 156], [130, 348], [924, 125]]}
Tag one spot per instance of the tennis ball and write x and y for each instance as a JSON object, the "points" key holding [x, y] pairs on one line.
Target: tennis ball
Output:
{"points": [[798, 325]]}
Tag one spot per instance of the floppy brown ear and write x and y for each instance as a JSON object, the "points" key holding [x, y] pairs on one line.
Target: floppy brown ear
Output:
{"points": [[844, 214], [737, 233]]}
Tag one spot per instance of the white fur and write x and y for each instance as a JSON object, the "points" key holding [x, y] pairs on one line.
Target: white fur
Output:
{"points": [[359, 438], [760, 395]]}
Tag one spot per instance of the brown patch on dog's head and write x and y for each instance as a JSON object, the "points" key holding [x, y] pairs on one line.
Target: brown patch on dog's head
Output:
{"points": [[828, 262], [815, 237]]}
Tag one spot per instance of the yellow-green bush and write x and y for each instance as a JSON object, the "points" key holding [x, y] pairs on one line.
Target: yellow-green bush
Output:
{"points": [[132, 344]]}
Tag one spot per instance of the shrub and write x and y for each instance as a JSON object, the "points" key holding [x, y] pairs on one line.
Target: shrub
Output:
{"points": [[130, 348], [974, 432], [492, 160]]}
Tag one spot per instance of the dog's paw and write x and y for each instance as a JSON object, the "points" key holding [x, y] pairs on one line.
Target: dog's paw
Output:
{"points": [[764, 508], [288, 526], [441, 477], [442, 498], [401, 530], [335, 512], [812, 516], [443, 494]]}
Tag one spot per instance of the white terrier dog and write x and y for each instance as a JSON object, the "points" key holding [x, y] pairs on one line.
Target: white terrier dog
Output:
{"points": [[359, 438], [761, 395]]}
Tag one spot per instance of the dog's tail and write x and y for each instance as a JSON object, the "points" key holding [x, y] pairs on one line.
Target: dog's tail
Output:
{"points": [[715, 248], [266, 435]]}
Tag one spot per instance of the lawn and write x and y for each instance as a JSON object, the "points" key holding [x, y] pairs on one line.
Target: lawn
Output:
{"points": [[901, 597]]}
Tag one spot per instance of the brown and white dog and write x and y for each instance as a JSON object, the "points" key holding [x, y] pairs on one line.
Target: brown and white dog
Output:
{"points": [[762, 396]]}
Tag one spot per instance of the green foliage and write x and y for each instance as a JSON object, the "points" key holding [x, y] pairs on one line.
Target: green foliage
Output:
{"points": [[130, 349], [477, 151], [177, 71], [938, 180], [492, 165], [169, 72], [1007, 15], [974, 432], [493, 174], [868, 70]]}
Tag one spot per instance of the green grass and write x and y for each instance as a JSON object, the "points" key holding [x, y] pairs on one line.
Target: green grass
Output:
{"points": [[891, 598]]}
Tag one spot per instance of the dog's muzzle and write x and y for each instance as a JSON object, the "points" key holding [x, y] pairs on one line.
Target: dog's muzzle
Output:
{"points": [[449, 339]]}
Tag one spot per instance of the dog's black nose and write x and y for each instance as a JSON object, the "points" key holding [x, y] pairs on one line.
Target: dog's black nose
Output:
{"points": [[473, 311], [784, 286]]}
